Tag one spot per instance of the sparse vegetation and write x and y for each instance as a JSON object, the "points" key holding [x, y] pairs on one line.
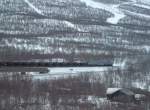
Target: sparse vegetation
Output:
{"points": [[72, 31], [19, 92]]}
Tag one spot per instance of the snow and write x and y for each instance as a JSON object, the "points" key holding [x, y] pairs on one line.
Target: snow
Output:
{"points": [[58, 60], [143, 1], [139, 15], [142, 82], [138, 84], [98, 101], [120, 63], [22, 45], [60, 72], [69, 24], [142, 6], [11, 31], [139, 96], [41, 13], [139, 4], [112, 90], [76, 69], [146, 47], [33, 7], [117, 15], [114, 9]]}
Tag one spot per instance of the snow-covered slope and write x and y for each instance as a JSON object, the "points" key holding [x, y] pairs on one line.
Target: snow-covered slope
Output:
{"points": [[33, 7], [117, 12], [75, 30], [114, 9]]}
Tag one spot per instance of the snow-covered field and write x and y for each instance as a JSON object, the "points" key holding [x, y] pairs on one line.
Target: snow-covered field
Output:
{"points": [[68, 71]]}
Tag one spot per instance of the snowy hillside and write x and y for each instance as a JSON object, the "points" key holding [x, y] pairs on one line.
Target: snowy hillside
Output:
{"points": [[78, 31]]}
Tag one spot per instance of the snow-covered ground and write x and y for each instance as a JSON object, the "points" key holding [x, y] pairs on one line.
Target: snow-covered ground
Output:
{"points": [[94, 100], [142, 5], [68, 71], [112, 90], [120, 63], [118, 13], [114, 9], [33, 7], [38, 11], [143, 1], [138, 15], [69, 24]]}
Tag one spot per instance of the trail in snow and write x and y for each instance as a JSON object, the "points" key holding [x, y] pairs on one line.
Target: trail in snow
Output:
{"points": [[114, 9], [143, 1], [142, 6], [73, 26], [139, 15], [33, 7], [41, 13]]}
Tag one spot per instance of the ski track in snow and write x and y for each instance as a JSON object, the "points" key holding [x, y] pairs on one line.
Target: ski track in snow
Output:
{"points": [[41, 13], [33, 7], [139, 15], [114, 9], [142, 6], [136, 14], [73, 26]]}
